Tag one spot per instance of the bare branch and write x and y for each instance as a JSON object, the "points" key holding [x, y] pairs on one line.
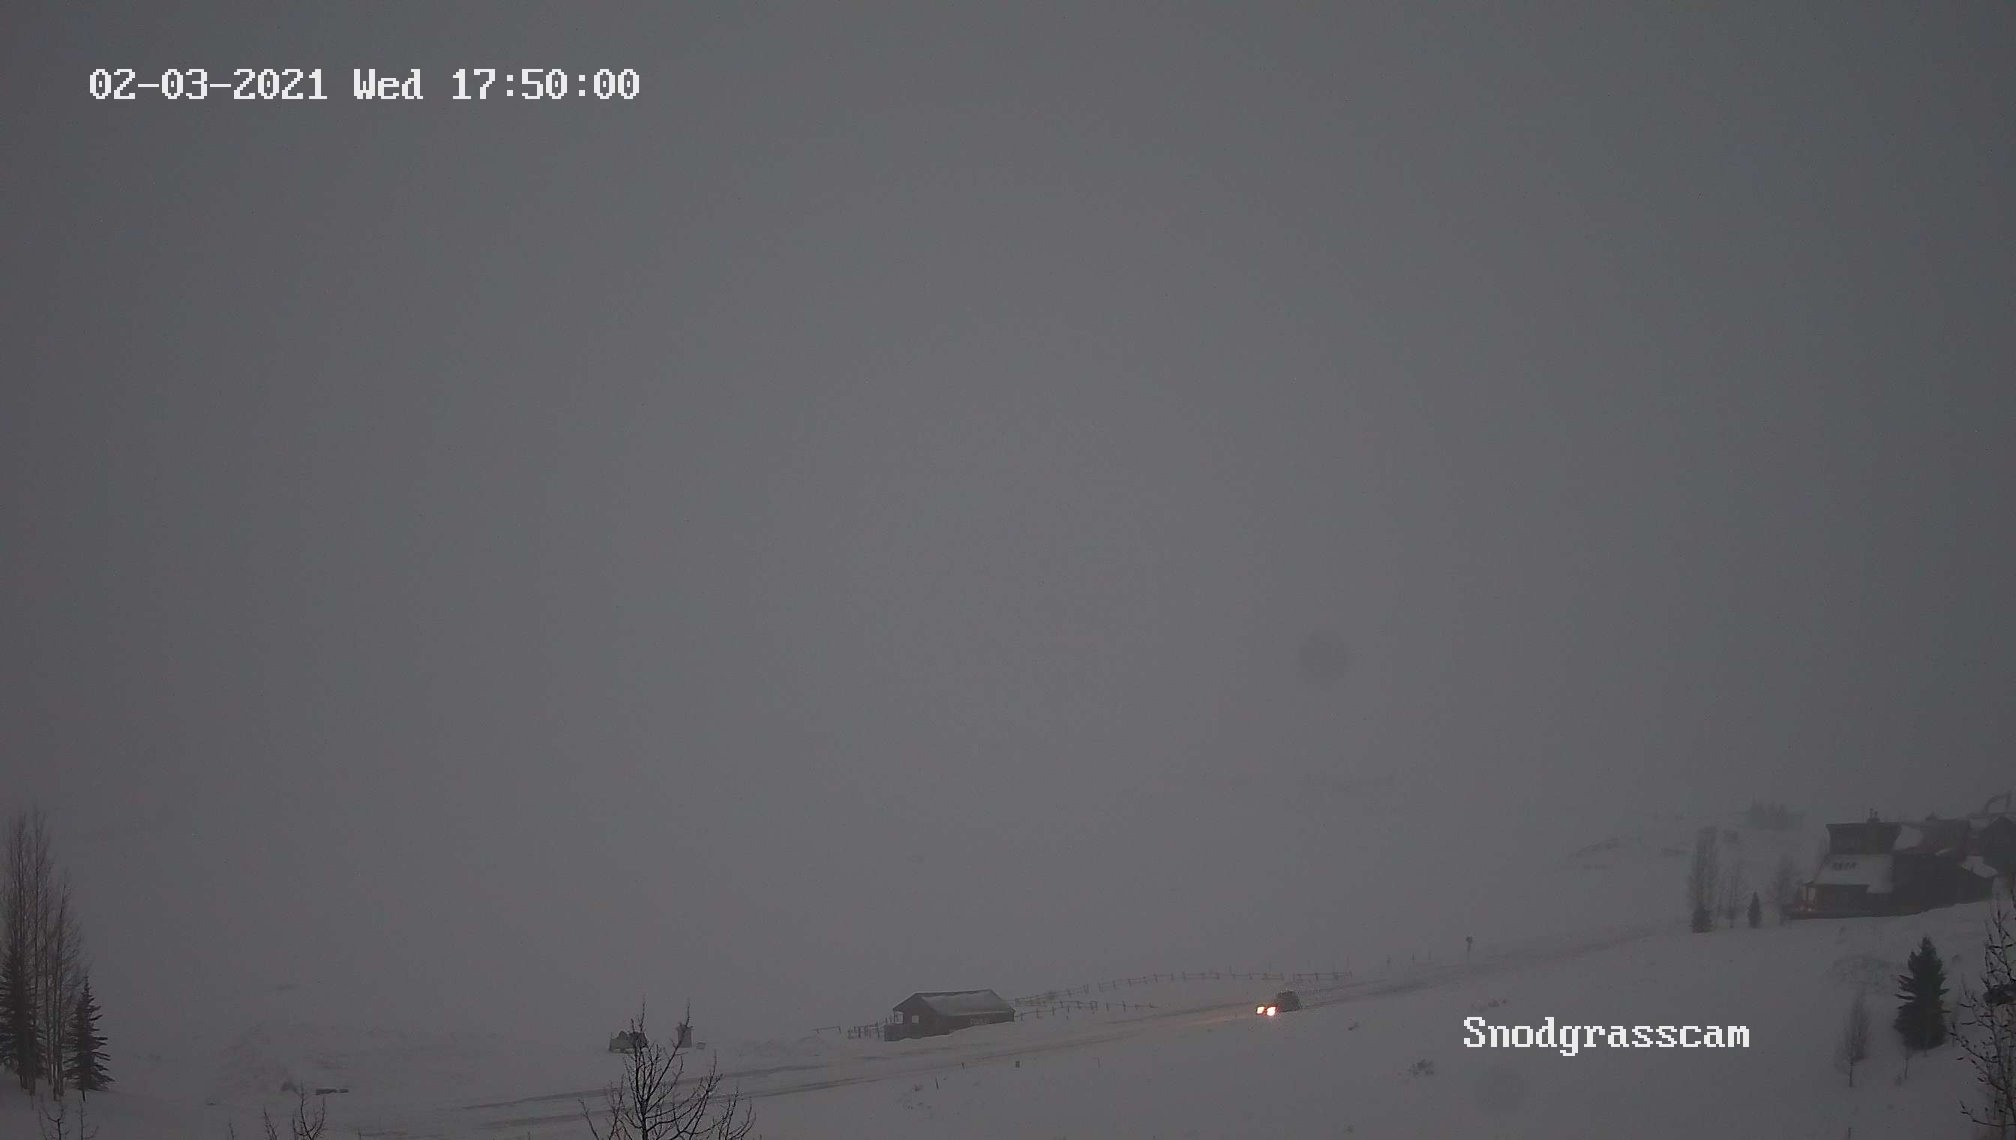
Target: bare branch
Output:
{"points": [[648, 1102], [308, 1127], [1987, 1031]]}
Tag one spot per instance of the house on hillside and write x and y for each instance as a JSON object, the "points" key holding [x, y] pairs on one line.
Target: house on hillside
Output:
{"points": [[1993, 841], [940, 1012], [1875, 867], [1992, 834]]}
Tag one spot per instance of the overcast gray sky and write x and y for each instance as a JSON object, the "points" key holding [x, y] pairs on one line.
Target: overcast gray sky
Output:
{"points": [[845, 522]]}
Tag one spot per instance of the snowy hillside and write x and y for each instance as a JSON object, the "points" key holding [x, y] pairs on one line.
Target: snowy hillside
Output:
{"points": [[1355, 1068], [1378, 1056]]}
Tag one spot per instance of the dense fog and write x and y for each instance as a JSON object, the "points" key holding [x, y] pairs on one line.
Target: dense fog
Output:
{"points": [[924, 498]]}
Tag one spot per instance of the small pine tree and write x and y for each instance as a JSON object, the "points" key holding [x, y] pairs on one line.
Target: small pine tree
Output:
{"points": [[1921, 1018], [86, 1063], [1756, 911]]}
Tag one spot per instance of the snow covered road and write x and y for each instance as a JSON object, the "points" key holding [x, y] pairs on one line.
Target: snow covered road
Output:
{"points": [[554, 1113]]}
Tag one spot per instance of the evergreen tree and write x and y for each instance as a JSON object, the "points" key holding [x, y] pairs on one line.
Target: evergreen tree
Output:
{"points": [[87, 1056], [1756, 911], [1921, 1018]]}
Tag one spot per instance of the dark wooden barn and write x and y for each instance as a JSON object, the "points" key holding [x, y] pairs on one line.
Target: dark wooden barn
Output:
{"points": [[936, 1013], [1876, 867]]}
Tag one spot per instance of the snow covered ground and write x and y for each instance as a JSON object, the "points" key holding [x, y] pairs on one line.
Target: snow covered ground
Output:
{"points": [[1354, 1067], [1380, 1054], [1377, 1057]]}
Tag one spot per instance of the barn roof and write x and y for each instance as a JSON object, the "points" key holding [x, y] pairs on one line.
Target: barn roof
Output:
{"points": [[955, 1003]]}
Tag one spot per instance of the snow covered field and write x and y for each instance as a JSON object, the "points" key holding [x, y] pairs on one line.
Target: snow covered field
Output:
{"points": [[1378, 1056], [1350, 1068]]}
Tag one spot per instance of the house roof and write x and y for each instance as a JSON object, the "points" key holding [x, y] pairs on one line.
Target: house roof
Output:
{"points": [[1869, 838], [1925, 837], [954, 1003], [1931, 837]]}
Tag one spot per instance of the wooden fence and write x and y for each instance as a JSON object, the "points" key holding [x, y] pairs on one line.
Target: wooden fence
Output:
{"points": [[1053, 996]]}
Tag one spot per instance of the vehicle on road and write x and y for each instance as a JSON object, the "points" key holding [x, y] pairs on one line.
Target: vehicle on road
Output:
{"points": [[1284, 1002]]}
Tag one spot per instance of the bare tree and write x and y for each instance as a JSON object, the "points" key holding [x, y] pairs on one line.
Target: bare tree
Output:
{"points": [[1735, 884], [1853, 1048], [302, 1125], [53, 1121], [1784, 884], [1987, 1030], [29, 908], [61, 968], [41, 955], [649, 1103], [18, 1037], [1703, 876]]}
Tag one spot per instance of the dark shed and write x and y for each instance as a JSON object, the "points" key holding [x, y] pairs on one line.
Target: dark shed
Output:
{"points": [[931, 1014]]}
